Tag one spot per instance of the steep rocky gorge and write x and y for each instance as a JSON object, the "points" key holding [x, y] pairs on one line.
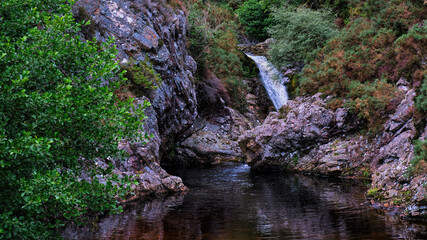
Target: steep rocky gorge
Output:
{"points": [[304, 136], [156, 32]]}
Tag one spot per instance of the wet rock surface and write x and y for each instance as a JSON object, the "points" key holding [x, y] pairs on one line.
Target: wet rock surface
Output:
{"points": [[213, 138], [257, 49], [304, 136], [212, 141]]}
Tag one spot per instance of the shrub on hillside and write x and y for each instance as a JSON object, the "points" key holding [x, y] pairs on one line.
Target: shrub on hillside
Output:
{"points": [[370, 101], [380, 42], [411, 49], [359, 53], [256, 18], [212, 41], [297, 33], [419, 162]]}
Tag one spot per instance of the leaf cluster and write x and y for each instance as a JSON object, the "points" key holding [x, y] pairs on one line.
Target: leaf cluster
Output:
{"points": [[298, 33], [57, 111], [255, 16], [142, 74]]}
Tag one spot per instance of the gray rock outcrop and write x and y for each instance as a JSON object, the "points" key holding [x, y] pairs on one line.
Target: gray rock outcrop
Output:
{"points": [[213, 141], [298, 127], [155, 31], [305, 136]]}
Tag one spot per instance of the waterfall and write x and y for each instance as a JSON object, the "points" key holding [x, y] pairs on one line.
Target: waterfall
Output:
{"points": [[272, 81]]}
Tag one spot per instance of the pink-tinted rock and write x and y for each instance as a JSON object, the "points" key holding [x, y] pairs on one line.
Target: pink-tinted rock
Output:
{"points": [[305, 136]]}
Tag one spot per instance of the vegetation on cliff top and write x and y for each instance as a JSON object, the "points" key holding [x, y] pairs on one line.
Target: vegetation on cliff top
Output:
{"points": [[58, 112], [213, 42], [298, 33], [383, 42]]}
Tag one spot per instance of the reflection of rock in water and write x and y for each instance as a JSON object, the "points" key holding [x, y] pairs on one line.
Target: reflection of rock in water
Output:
{"points": [[132, 223], [312, 208], [229, 202]]}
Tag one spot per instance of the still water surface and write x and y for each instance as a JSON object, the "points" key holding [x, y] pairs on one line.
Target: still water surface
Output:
{"points": [[229, 202]]}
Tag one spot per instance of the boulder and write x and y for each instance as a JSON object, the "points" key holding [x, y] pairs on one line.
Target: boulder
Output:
{"points": [[213, 141], [299, 126]]}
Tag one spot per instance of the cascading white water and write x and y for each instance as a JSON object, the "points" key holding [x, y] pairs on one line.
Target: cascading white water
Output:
{"points": [[272, 81]]}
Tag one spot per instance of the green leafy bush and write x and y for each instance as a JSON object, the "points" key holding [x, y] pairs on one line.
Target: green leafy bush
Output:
{"points": [[255, 16], [58, 112], [370, 101], [411, 49], [297, 33], [419, 162], [142, 74], [213, 44], [258, 15]]}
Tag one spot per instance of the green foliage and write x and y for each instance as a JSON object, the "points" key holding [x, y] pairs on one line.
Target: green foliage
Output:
{"points": [[411, 49], [421, 101], [297, 33], [374, 193], [367, 173], [390, 14], [419, 162], [57, 111], [142, 74], [258, 15], [255, 16], [213, 44], [384, 40], [295, 159], [370, 101]]}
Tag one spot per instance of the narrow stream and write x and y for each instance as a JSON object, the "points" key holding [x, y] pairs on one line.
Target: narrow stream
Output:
{"points": [[272, 80], [229, 202]]}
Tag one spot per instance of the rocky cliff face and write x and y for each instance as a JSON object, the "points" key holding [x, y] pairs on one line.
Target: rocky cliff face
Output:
{"points": [[151, 30], [155, 30], [307, 137]]}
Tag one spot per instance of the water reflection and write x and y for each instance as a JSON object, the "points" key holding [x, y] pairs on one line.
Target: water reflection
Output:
{"points": [[228, 202]]}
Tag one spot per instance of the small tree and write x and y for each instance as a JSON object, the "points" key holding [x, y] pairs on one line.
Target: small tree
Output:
{"points": [[57, 114], [255, 16], [298, 33]]}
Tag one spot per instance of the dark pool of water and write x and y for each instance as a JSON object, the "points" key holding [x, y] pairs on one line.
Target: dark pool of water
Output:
{"points": [[229, 202]]}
